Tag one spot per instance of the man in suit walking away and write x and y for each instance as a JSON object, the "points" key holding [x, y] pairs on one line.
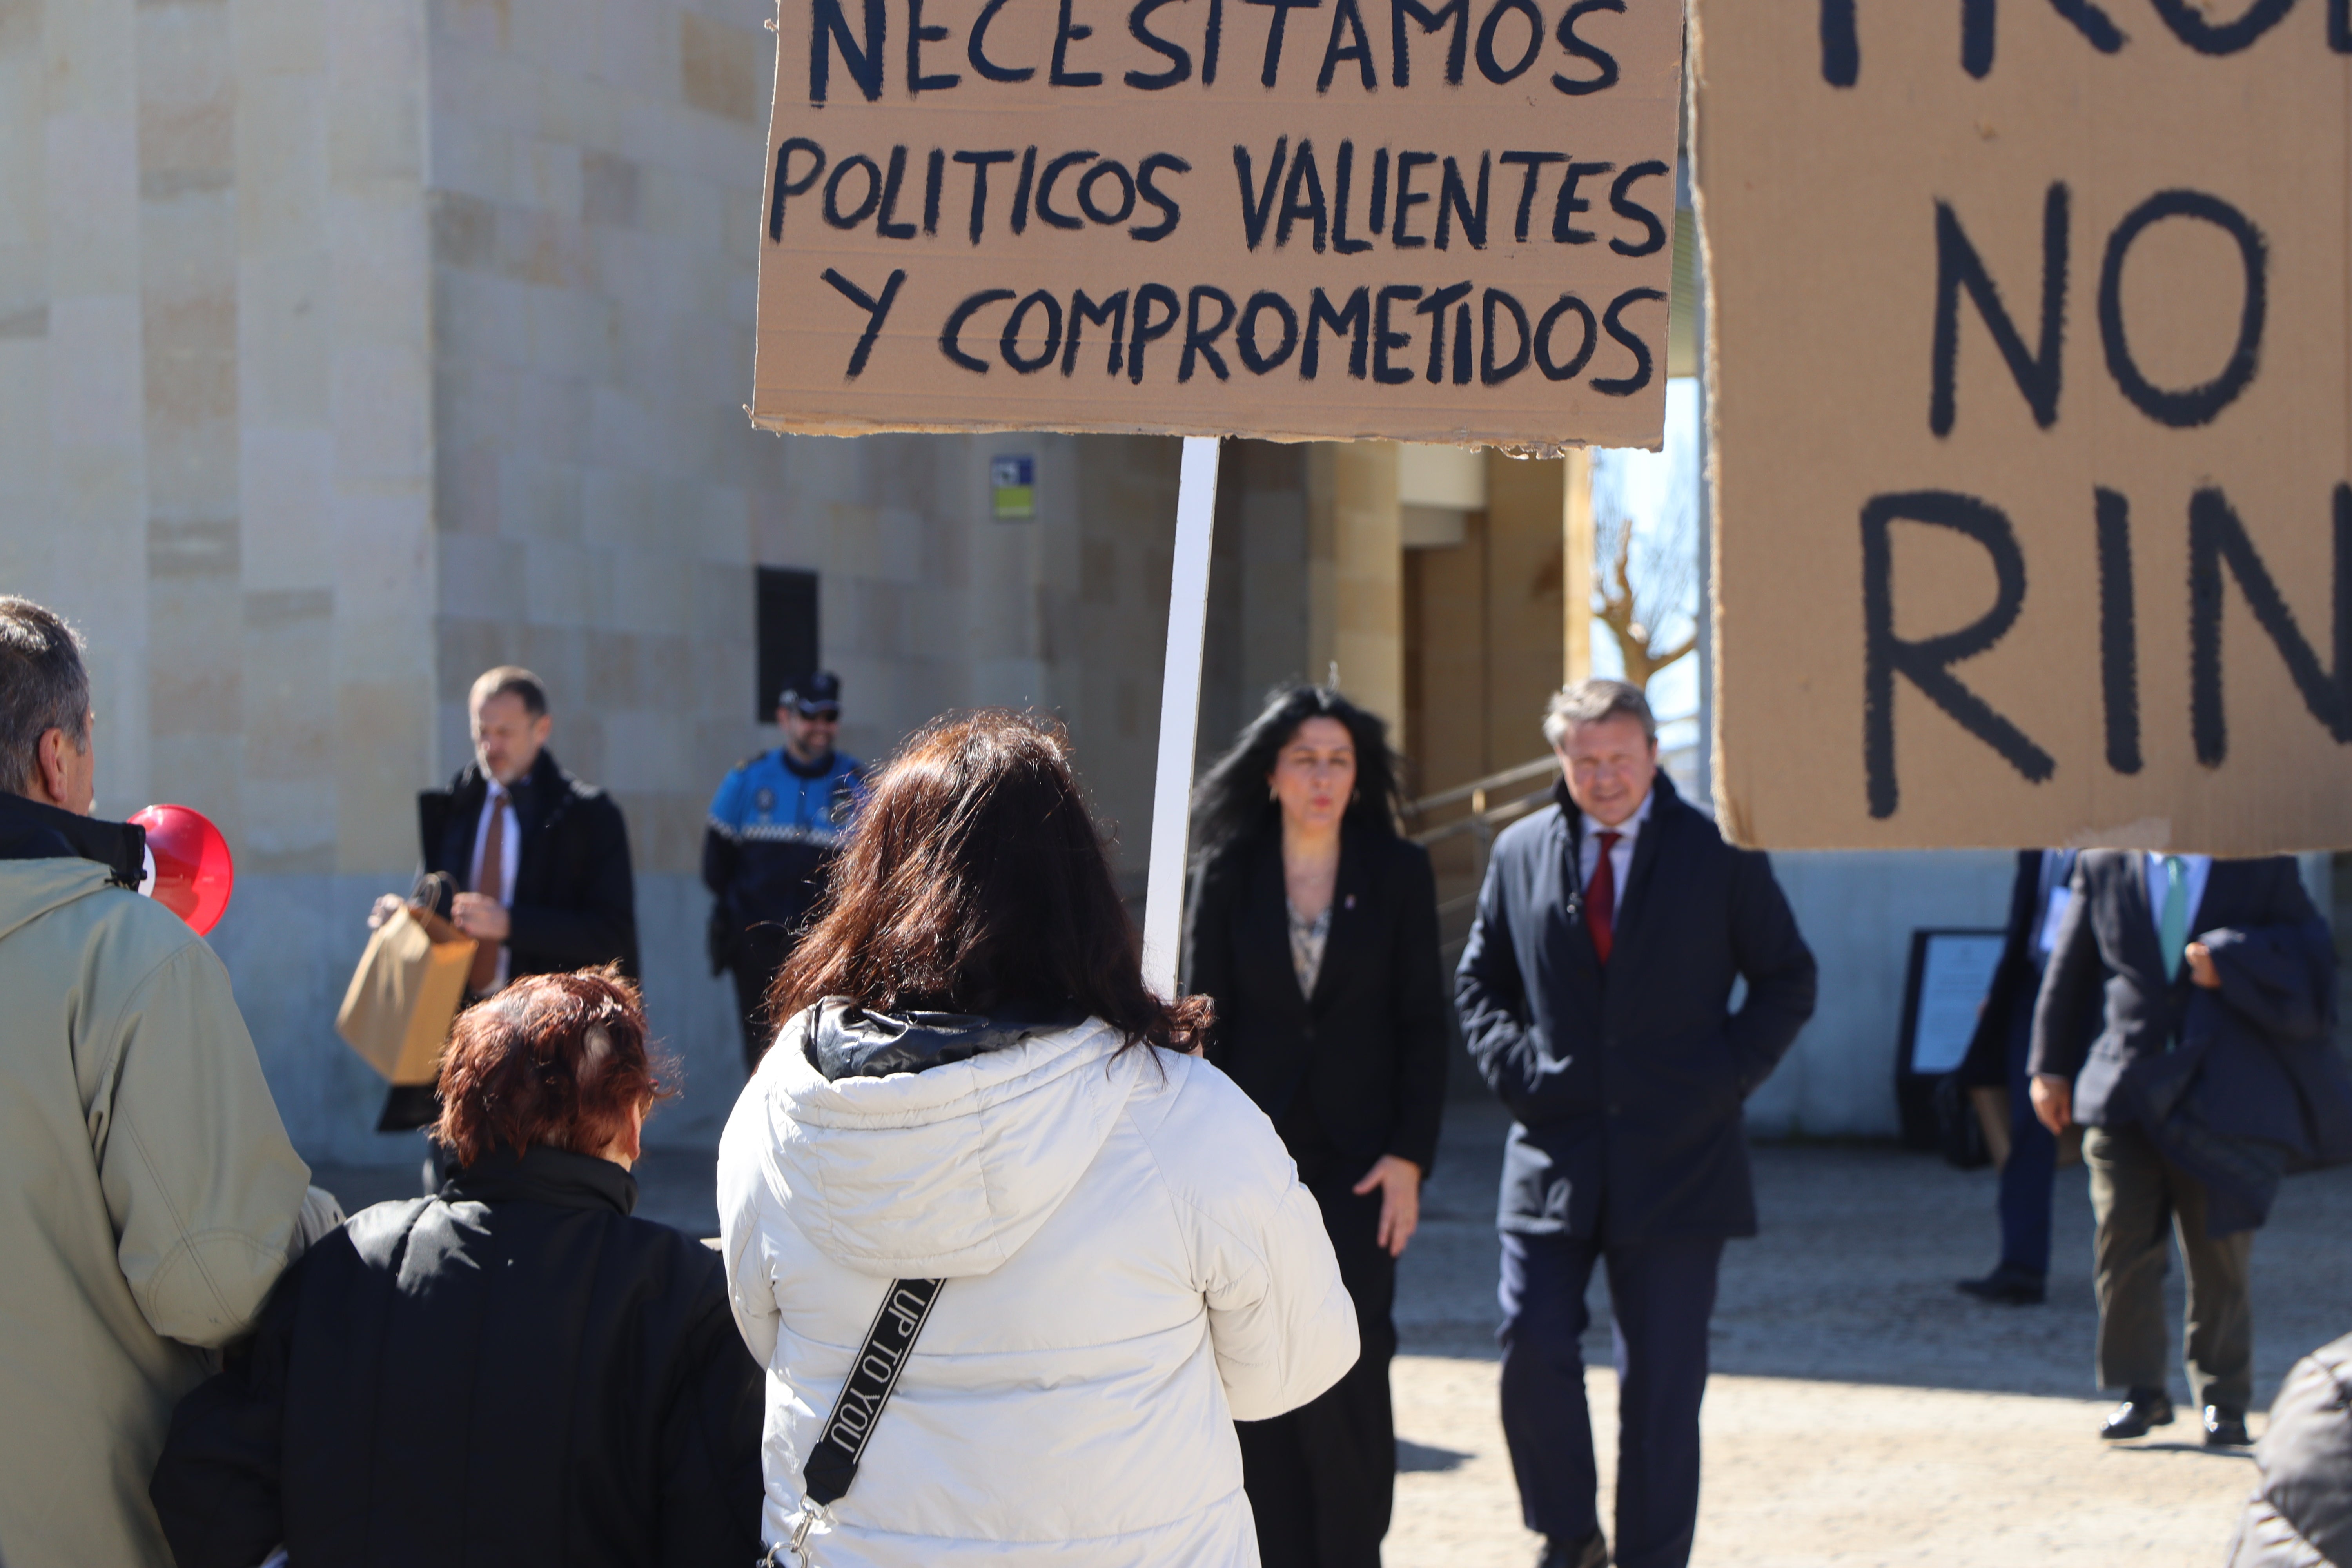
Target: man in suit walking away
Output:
{"points": [[1998, 1053], [1595, 994], [540, 860], [2160, 933]]}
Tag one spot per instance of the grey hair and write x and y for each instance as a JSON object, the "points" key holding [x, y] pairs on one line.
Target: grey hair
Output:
{"points": [[43, 686], [1589, 701], [511, 680]]}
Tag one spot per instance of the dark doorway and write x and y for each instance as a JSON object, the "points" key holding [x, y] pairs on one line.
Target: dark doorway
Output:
{"points": [[788, 640]]}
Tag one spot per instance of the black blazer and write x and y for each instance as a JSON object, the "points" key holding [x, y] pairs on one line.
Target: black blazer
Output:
{"points": [[514, 1371], [1986, 1062], [576, 902], [1627, 1081], [2008, 1015], [1368, 1049], [2109, 932]]}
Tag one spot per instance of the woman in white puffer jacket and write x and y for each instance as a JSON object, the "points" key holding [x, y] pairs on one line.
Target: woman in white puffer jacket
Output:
{"points": [[972, 1085]]}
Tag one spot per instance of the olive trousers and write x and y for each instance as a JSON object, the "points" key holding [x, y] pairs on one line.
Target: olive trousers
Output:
{"points": [[2136, 1196]]}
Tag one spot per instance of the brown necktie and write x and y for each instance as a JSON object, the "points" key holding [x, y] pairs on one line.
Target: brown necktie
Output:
{"points": [[1600, 899], [491, 883]]}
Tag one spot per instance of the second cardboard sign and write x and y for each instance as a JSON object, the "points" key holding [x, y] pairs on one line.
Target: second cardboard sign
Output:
{"points": [[2033, 422]]}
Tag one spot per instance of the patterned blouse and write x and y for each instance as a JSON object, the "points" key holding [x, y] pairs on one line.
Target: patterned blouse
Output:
{"points": [[1307, 941]]}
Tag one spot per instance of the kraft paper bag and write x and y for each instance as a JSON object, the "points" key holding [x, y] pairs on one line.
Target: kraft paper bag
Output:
{"points": [[405, 994], [1991, 1103]]}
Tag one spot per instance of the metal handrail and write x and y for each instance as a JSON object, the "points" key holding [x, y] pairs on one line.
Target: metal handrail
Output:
{"points": [[1487, 817], [1520, 774], [1484, 818]]}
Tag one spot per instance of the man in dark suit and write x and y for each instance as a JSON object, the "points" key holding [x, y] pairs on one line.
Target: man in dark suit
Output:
{"points": [[541, 860], [1595, 994], [2131, 925], [1998, 1055]]}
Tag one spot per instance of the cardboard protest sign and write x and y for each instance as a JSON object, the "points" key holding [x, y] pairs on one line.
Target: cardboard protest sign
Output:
{"points": [[1442, 221], [2032, 382]]}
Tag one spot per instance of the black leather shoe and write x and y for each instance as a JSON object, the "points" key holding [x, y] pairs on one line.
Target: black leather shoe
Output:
{"points": [[1593, 1553], [2145, 1409], [2013, 1287], [2225, 1427]]}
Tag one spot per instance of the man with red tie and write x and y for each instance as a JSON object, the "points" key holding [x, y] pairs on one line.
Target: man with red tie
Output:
{"points": [[539, 859], [1600, 1011]]}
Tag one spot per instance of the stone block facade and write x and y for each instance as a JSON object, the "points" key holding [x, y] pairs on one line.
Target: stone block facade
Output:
{"points": [[348, 347]]}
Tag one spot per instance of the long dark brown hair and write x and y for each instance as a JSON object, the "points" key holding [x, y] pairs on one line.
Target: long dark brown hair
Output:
{"points": [[974, 881], [1230, 804]]}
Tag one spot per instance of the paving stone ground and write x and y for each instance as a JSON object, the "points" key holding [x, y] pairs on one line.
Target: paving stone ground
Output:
{"points": [[1862, 1411]]}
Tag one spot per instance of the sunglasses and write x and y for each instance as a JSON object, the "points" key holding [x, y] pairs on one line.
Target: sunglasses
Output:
{"points": [[828, 714]]}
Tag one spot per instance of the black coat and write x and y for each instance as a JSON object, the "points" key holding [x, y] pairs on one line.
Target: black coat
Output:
{"points": [[1368, 1049], [2015, 979], [2240, 1086], [2008, 1015], [2109, 935], [512, 1373], [576, 902], [1626, 1081]]}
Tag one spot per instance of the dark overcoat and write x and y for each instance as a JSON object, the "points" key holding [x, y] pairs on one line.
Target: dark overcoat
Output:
{"points": [[2006, 1020], [1626, 1081], [575, 901], [514, 1373], [2108, 939], [1368, 1049], [2240, 1085]]}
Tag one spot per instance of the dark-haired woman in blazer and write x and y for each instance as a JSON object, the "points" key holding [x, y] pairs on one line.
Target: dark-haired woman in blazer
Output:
{"points": [[1313, 925]]}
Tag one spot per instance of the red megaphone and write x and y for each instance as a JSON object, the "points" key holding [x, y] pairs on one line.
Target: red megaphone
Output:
{"points": [[188, 868]]}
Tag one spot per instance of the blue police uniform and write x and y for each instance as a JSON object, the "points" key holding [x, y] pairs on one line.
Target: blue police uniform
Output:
{"points": [[775, 827]]}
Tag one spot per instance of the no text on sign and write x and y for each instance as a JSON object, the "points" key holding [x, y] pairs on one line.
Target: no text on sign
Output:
{"points": [[1290, 218], [2034, 420]]}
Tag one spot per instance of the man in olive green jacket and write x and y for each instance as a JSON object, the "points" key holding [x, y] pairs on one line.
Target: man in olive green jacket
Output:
{"points": [[148, 1193]]}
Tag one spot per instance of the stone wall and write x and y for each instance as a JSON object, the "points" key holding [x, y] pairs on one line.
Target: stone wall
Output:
{"points": [[214, 453], [600, 500], [350, 346], [1857, 910]]}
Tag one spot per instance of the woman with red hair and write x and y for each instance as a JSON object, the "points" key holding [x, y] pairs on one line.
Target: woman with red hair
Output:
{"points": [[513, 1370]]}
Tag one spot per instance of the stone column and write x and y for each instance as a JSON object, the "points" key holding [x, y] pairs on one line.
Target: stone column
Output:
{"points": [[1576, 566], [188, 319], [1528, 600], [1355, 575]]}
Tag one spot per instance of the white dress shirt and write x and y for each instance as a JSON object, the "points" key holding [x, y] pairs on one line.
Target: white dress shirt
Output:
{"points": [[1621, 854], [2195, 869], [500, 801]]}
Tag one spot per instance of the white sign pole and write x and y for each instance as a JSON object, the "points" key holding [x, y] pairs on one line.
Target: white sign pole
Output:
{"points": [[1180, 713]]}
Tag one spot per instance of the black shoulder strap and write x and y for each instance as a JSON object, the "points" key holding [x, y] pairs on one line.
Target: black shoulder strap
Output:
{"points": [[872, 1376]]}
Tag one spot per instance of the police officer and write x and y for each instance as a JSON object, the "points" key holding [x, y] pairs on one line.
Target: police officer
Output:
{"points": [[775, 824]]}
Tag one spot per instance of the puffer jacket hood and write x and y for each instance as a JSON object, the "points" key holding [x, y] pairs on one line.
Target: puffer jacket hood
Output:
{"points": [[938, 1143], [2301, 1514]]}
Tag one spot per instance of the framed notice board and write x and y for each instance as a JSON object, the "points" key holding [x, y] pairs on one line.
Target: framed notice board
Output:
{"points": [[1951, 971]]}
